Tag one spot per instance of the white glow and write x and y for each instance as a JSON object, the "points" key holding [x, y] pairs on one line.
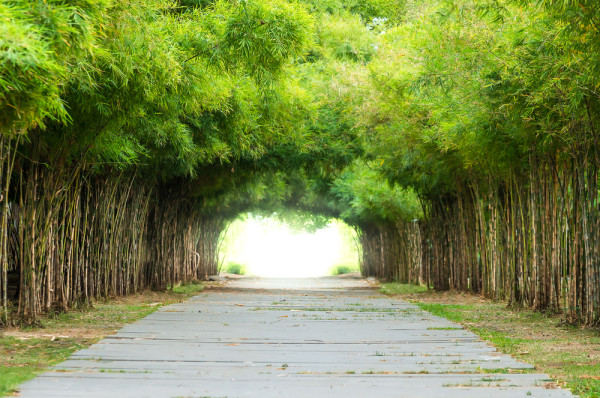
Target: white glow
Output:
{"points": [[270, 249]]}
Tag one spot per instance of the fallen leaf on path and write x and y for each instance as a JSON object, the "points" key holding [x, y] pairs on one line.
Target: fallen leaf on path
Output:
{"points": [[551, 386]]}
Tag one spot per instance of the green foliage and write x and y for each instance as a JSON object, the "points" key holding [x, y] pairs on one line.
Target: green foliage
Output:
{"points": [[366, 196], [462, 90], [367, 9], [40, 46], [235, 268], [367, 110], [345, 38], [342, 269], [262, 35], [264, 103], [172, 90], [193, 90], [186, 4]]}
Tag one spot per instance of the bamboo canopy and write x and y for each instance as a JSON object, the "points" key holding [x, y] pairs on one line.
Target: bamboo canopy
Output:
{"points": [[460, 140]]}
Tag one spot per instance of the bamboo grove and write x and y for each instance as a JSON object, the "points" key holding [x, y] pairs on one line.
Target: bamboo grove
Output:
{"points": [[488, 114], [123, 124], [458, 137]]}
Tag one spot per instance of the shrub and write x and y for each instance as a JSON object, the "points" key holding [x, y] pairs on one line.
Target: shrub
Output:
{"points": [[235, 268]]}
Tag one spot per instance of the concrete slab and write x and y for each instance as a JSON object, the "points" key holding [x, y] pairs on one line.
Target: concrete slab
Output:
{"points": [[295, 338]]}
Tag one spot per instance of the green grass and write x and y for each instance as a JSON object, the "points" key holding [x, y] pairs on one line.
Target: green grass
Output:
{"points": [[458, 313], [569, 355], [189, 289], [103, 315], [401, 288], [341, 269], [235, 268], [23, 357], [444, 328]]}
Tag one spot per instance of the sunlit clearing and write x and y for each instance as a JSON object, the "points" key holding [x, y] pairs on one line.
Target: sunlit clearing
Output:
{"points": [[268, 248]]}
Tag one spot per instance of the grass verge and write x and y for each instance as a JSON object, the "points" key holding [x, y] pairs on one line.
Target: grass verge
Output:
{"points": [[568, 354], [401, 288], [25, 352]]}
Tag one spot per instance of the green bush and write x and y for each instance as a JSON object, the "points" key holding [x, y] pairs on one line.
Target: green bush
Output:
{"points": [[342, 269], [235, 268]]}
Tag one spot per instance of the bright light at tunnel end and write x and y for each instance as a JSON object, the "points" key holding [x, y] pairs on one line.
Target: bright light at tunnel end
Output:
{"points": [[273, 250]]}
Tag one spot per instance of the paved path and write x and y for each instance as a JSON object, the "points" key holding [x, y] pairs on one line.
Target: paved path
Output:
{"points": [[303, 338]]}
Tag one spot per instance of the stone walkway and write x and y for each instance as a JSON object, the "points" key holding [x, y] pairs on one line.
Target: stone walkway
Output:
{"points": [[314, 338]]}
